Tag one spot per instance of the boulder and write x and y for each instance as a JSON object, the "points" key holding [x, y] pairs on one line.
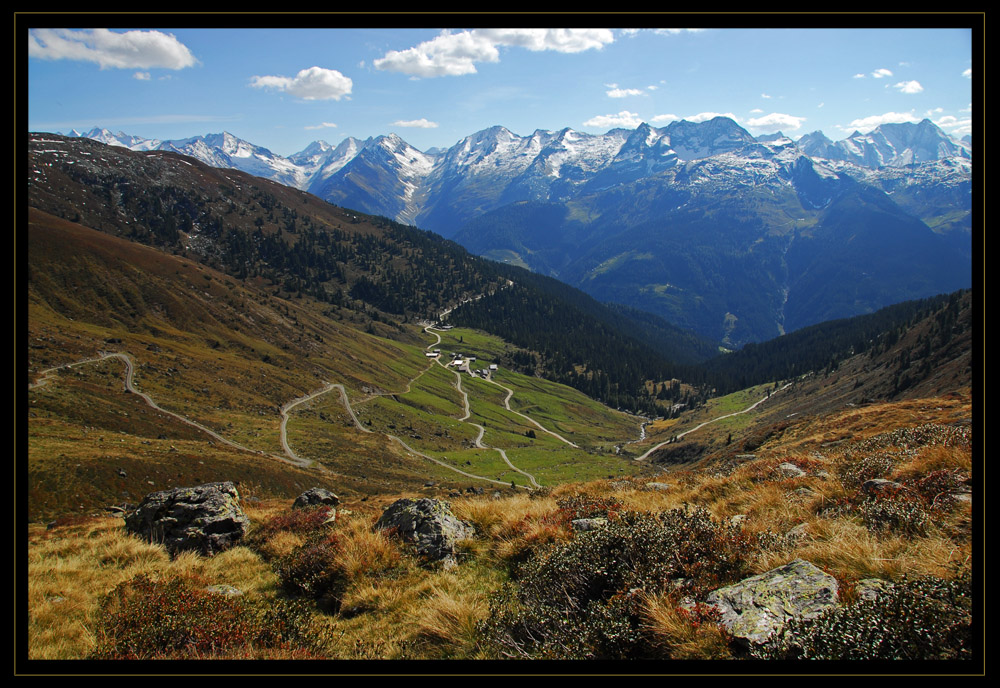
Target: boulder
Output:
{"points": [[428, 524], [659, 487], [206, 519], [314, 496], [757, 608]]}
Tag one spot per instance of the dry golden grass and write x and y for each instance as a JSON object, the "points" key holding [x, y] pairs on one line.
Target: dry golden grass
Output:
{"points": [[71, 568], [446, 622], [679, 635]]}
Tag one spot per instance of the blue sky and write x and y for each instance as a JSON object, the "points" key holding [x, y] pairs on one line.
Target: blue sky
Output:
{"points": [[283, 88]]}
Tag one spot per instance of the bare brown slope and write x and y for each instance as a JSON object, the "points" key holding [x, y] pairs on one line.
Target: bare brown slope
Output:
{"points": [[206, 347]]}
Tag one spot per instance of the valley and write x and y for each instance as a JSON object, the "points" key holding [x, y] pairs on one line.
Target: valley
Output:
{"points": [[265, 338]]}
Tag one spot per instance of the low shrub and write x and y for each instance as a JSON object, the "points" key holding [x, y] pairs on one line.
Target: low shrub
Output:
{"points": [[854, 473], [316, 570], [301, 521], [901, 513], [914, 619], [581, 599], [179, 619]]}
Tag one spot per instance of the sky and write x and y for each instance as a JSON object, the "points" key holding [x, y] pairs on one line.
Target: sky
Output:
{"points": [[284, 88]]}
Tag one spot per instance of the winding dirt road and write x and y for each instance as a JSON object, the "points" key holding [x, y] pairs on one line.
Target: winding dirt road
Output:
{"points": [[751, 407]]}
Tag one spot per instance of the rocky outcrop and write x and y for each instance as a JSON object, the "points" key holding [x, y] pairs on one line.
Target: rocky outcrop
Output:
{"points": [[206, 518], [757, 608], [315, 496], [428, 524]]}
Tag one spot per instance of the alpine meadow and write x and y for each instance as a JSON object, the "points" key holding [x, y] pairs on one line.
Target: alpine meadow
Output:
{"points": [[600, 351]]}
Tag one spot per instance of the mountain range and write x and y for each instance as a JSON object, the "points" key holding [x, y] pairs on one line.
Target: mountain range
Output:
{"points": [[735, 237]]}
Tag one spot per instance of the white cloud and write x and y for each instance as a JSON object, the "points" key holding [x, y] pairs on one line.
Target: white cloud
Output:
{"points": [[756, 111], [128, 50], [880, 73], [421, 123], [909, 87], [765, 96], [776, 121], [651, 87], [820, 105], [626, 119], [454, 54], [967, 73], [955, 126], [664, 118], [672, 32], [141, 76], [624, 92], [314, 83], [866, 124], [858, 76], [705, 116], [321, 125]]}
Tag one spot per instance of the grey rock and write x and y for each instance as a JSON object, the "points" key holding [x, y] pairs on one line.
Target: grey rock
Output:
{"points": [[583, 525], [790, 470], [872, 588], [224, 590], [428, 524], [314, 496], [660, 487], [880, 486], [757, 608], [738, 520], [206, 518]]}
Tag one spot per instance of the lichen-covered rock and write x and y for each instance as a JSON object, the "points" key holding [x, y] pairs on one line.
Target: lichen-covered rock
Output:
{"points": [[428, 524], [314, 496], [757, 608], [206, 518]]}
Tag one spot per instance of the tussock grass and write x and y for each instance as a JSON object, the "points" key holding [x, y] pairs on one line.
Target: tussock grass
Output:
{"points": [[679, 634]]}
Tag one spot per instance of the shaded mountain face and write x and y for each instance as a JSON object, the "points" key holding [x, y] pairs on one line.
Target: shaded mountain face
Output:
{"points": [[694, 221]]}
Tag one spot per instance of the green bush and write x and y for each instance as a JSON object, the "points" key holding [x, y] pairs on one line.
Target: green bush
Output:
{"points": [[580, 599], [179, 618], [915, 619]]}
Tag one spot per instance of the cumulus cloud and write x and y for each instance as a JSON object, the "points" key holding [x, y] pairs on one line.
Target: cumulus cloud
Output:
{"points": [[322, 125], [673, 32], [626, 119], [955, 126], [967, 73], [624, 92], [454, 54], [866, 124], [142, 76], [756, 111], [314, 83], [705, 116], [774, 122], [127, 50], [765, 96], [664, 118], [909, 87], [881, 73], [421, 123], [858, 76]]}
